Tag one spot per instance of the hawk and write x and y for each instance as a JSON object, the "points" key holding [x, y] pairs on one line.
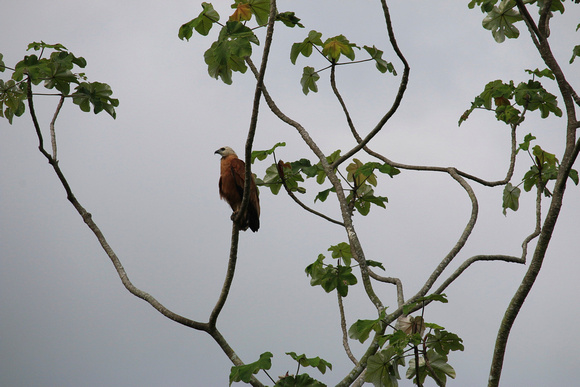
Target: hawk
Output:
{"points": [[231, 187]]}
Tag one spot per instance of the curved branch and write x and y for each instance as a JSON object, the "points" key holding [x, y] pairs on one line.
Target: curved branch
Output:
{"points": [[356, 247], [460, 243], [298, 201], [229, 277], [52, 130], [391, 280], [344, 331], [410, 167], [256, 110], [398, 98], [87, 218]]}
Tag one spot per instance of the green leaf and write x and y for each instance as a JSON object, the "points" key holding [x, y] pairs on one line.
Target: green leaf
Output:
{"points": [[97, 94], [305, 47], [289, 19], [443, 342], [375, 264], [342, 250], [500, 21], [383, 368], [575, 53], [544, 157], [260, 9], [336, 46], [315, 362], [37, 46], [511, 198], [382, 65], [323, 195], [227, 53], [361, 329], [573, 174], [438, 363], [526, 144], [302, 380], [272, 179], [244, 373], [344, 279], [533, 96], [202, 24], [308, 81], [531, 178], [2, 65], [262, 154], [12, 96], [544, 73]]}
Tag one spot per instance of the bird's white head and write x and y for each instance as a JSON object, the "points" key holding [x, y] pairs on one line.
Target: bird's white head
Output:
{"points": [[225, 151]]}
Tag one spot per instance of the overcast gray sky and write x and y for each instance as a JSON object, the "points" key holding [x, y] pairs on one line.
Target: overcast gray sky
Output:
{"points": [[150, 180]]}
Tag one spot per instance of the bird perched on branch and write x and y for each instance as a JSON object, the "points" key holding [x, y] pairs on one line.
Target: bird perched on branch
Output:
{"points": [[231, 186]]}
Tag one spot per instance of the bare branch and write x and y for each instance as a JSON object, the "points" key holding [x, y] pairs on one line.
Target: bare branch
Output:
{"points": [[298, 201], [391, 280], [87, 218], [52, 130], [398, 97], [344, 331]]}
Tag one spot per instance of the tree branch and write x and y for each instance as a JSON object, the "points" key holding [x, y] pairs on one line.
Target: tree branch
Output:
{"points": [[87, 218], [344, 331], [298, 201], [398, 98], [52, 130]]}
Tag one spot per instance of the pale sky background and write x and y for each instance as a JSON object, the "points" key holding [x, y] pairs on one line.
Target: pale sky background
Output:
{"points": [[150, 180]]}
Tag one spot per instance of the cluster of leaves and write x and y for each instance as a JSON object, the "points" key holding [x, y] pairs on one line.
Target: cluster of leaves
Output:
{"points": [[332, 49], [227, 54], [361, 178], [506, 97], [234, 43], [511, 104], [412, 334], [56, 73], [500, 19], [244, 373], [545, 167], [339, 276]]}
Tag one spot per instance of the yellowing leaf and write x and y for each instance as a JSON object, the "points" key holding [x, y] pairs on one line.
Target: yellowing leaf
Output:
{"points": [[242, 12]]}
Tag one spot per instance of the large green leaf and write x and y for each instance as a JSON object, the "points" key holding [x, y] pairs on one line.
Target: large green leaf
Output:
{"points": [[97, 94], [382, 65], [342, 250], [308, 81], [302, 380], [511, 198], [12, 96], [336, 46], [202, 23], [305, 47], [361, 329], [439, 366], [500, 21], [383, 368], [533, 96], [443, 342], [244, 373], [315, 362], [289, 19], [227, 53]]}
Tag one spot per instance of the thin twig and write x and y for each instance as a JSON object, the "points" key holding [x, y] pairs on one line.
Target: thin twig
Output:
{"points": [[52, 129], [298, 201]]}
